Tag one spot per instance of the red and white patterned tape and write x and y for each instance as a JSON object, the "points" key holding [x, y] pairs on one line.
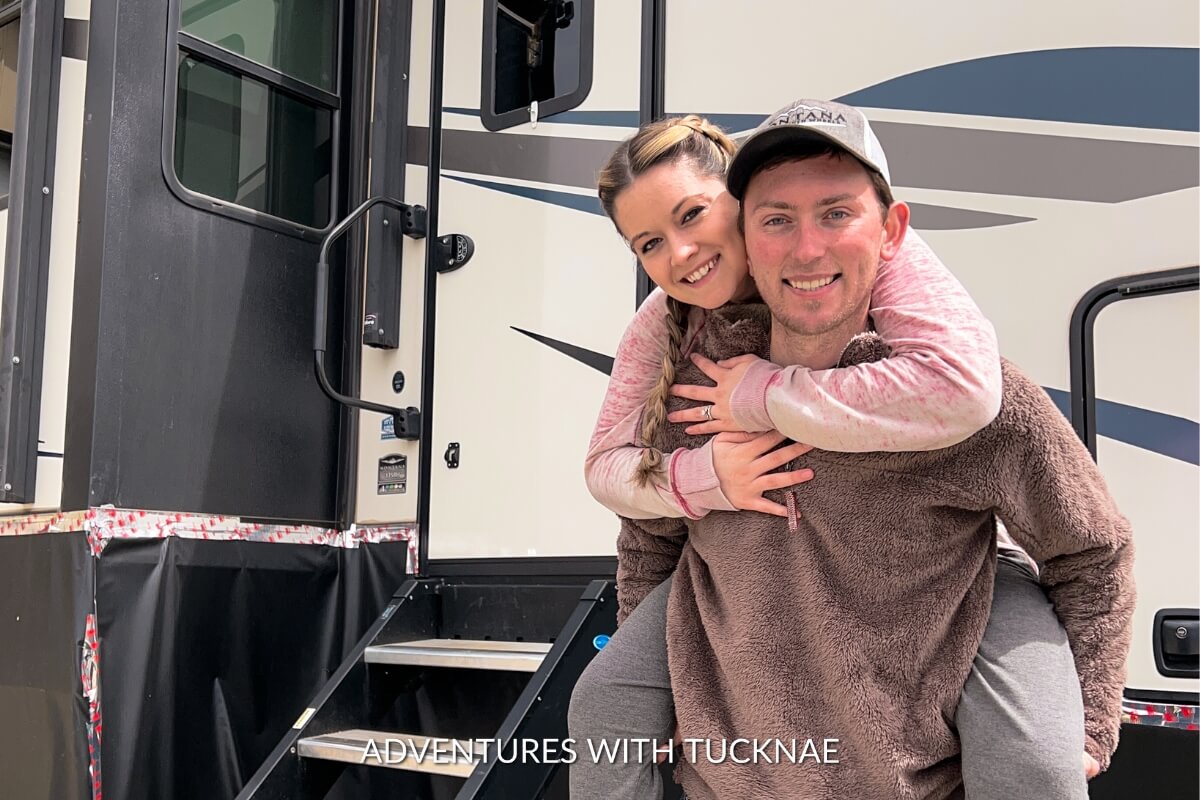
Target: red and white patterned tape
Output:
{"points": [[106, 523], [90, 668]]}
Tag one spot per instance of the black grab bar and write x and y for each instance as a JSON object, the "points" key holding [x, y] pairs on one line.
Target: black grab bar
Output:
{"points": [[406, 421]]}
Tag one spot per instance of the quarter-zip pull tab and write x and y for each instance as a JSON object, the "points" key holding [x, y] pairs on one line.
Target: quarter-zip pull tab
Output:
{"points": [[793, 515]]}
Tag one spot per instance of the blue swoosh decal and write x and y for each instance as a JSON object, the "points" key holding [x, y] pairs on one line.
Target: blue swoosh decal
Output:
{"points": [[1165, 434], [579, 202], [1138, 87]]}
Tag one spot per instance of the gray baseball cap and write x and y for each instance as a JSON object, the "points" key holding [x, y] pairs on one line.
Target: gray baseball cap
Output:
{"points": [[823, 120]]}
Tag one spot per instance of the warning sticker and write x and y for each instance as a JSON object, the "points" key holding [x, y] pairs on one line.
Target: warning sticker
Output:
{"points": [[393, 474]]}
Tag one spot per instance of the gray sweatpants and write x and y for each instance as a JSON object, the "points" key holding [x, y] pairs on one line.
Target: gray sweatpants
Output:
{"points": [[1020, 719]]}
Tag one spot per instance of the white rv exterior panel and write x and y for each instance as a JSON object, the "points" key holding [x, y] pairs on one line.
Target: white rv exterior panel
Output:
{"points": [[757, 57], [378, 365], [1147, 351], [521, 411], [1065, 207], [1044, 210], [60, 293]]}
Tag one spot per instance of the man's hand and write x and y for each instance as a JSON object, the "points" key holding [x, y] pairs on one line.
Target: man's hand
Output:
{"points": [[727, 374], [1091, 767], [744, 464]]}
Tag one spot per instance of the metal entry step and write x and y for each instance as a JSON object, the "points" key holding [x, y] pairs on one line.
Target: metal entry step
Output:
{"points": [[462, 653], [453, 757]]}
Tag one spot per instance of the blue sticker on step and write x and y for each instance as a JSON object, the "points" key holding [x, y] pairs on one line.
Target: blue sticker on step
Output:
{"points": [[600, 641]]}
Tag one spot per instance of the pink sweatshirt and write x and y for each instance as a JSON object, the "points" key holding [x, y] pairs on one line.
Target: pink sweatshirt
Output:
{"points": [[940, 386]]}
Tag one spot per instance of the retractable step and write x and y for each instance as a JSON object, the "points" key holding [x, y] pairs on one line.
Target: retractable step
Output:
{"points": [[452, 757], [415, 676], [462, 653]]}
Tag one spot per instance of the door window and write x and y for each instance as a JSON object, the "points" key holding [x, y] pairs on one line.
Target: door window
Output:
{"points": [[254, 109]]}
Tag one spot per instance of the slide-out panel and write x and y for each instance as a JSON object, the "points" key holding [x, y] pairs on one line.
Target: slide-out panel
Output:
{"points": [[1147, 409]]}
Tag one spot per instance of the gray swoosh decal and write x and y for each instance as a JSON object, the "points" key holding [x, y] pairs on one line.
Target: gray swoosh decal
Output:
{"points": [[546, 159], [1034, 165], [928, 217], [925, 217], [924, 156]]}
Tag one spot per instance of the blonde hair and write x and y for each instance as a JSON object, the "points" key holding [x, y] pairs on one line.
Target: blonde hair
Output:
{"points": [[706, 148], [665, 141]]}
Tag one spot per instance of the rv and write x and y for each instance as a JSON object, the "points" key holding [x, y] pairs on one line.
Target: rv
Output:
{"points": [[308, 309]]}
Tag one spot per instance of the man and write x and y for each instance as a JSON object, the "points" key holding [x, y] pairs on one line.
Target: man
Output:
{"points": [[857, 619]]}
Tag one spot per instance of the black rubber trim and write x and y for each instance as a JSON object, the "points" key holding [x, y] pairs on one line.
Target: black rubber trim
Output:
{"points": [[432, 195], [548, 566], [1155, 696], [1082, 336], [358, 40], [653, 100], [263, 74]]}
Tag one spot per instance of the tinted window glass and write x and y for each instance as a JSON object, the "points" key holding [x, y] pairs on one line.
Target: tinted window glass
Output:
{"points": [[537, 54], [233, 136], [296, 37]]}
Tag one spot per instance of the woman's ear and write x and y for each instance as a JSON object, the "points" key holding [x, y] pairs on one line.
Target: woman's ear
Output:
{"points": [[895, 227]]}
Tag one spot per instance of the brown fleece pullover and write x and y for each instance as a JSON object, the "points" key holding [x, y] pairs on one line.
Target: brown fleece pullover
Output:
{"points": [[862, 625]]}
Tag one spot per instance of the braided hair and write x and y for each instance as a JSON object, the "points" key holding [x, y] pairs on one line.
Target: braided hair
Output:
{"points": [[709, 150]]}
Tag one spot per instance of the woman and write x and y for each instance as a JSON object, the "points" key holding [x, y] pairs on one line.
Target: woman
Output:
{"points": [[664, 191]]}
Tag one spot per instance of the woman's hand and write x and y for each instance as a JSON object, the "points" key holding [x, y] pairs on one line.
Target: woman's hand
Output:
{"points": [[717, 418], [1091, 767], [676, 740], [744, 464]]}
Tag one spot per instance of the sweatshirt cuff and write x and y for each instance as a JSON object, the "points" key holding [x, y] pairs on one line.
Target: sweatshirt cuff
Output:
{"points": [[748, 404], [695, 484], [1103, 755]]}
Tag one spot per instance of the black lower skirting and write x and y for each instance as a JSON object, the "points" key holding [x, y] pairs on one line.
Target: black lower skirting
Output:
{"points": [[208, 652]]}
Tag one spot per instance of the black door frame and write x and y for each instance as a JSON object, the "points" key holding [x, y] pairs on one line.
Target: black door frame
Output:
{"points": [[27, 255]]}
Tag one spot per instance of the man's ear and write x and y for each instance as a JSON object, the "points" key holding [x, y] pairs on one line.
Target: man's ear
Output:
{"points": [[895, 227]]}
